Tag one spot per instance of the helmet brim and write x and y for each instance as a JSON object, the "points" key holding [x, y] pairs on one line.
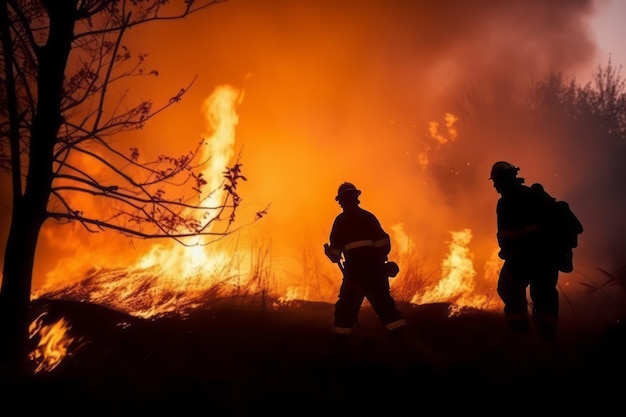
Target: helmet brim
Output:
{"points": [[347, 193]]}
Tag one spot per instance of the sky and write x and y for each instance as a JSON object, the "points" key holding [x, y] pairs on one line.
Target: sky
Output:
{"points": [[347, 91], [610, 31]]}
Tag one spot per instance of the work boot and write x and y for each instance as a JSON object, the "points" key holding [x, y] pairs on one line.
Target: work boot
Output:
{"points": [[399, 335], [546, 324], [340, 344], [519, 325], [411, 349]]}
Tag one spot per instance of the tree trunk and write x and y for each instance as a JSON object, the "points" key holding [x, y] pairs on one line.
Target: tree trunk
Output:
{"points": [[29, 210], [15, 295]]}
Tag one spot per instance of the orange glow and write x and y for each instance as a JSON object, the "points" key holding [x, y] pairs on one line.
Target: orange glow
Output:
{"points": [[53, 345], [348, 103], [433, 129], [167, 277], [220, 113], [440, 138]]}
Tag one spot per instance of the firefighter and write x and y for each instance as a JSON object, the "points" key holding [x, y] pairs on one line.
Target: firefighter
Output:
{"points": [[527, 251], [358, 237]]}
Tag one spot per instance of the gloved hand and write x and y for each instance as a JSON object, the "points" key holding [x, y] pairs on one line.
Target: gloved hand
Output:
{"points": [[332, 255], [391, 269]]}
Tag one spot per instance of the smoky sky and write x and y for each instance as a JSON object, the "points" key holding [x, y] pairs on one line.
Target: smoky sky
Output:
{"points": [[344, 91]]}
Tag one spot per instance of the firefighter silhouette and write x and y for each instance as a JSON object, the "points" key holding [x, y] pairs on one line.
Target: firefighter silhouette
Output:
{"points": [[358, 238], [527, 251]]}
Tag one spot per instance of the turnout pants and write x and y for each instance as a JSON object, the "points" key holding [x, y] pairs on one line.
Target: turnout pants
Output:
{"points": [[373, 285], [542, 279]]}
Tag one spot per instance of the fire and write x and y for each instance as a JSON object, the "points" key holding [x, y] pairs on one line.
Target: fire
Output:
{"points": [[221, 115], [457, 283], [433, 129], [440, 138], [401, 239], [292, 294], [170, 278], [53, 345], [493, 266]]}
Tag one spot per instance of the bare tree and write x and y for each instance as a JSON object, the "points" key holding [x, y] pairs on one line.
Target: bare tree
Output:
{"points": [[59, 60]]}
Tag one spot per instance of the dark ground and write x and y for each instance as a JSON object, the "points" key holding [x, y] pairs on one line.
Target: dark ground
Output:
{"points": [[233, 358]]}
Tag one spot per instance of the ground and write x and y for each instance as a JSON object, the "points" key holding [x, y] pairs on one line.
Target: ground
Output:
{"points": [[235, 358]]}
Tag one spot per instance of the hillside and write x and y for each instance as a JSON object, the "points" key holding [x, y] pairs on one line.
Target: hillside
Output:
{"points": [[235, 357]]}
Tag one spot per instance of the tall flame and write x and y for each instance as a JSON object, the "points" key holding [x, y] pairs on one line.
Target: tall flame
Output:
{"points": [[167, 274], [457, 282], [171, 278], [222, 118]]}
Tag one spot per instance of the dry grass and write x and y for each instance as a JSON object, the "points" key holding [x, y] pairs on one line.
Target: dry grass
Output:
{"points": [[241, 358]]}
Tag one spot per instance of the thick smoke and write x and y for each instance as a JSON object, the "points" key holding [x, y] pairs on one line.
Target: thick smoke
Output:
{"points": [[345, 91]]}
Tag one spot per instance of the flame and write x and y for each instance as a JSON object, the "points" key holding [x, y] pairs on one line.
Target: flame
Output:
{"points": [[493, 266], [220, 113], [292, 294], [169, 278], [439, 138], [457, 283], [53, 345], [401, 240], [433, 129]]}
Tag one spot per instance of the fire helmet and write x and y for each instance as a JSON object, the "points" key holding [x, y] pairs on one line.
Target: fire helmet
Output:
{"points": [[502, 169], [346, 189]]}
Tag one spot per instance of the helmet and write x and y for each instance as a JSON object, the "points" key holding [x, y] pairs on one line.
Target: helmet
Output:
{"points": [[391, 269], [345, 189], [502, 169]]}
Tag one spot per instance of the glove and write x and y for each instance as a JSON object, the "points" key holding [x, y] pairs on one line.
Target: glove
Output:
{"points": [[331, 254], [391, 269]]}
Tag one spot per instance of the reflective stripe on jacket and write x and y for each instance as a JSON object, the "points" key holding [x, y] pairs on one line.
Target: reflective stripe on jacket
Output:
{"points": [[357, 234]]}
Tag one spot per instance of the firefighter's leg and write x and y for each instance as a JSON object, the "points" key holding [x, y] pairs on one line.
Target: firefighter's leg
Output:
{"points": [[346, 311], [408, 346], [512, 291], [545, 298], [385, 307]]}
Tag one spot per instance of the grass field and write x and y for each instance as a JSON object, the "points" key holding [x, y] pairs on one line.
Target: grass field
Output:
{"points": [[231, 357]]}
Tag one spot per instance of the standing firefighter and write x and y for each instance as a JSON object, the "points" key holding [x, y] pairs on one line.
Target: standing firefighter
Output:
{"points": [[358, 235], [535, 239]]}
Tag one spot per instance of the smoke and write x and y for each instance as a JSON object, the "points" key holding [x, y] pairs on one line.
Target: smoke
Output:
{"points": [[346, 91]]}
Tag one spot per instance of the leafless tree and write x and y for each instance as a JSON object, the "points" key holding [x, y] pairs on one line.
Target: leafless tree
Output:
{"points": [[59, 60]]}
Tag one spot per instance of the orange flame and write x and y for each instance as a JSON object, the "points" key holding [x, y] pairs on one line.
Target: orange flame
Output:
{"points": [[440, 139], [169, 276], [53, 345], [458, 277], [172, 278]]}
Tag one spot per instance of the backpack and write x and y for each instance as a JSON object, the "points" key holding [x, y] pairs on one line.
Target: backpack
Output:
{"points": [[562, 228], [565, 229]]}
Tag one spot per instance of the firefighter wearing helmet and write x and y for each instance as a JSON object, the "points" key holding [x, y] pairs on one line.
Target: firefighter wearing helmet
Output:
{"points": [[358, 238], [526, 251]]}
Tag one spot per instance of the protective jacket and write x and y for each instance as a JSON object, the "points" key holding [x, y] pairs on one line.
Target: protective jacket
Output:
{"points": [[523, 235], [357, 234]]}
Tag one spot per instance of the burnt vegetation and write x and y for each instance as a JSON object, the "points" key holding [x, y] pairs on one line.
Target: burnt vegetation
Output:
{"points": [[234, 356]]}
